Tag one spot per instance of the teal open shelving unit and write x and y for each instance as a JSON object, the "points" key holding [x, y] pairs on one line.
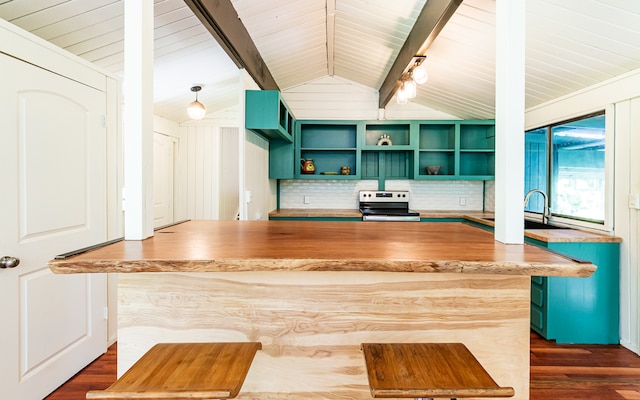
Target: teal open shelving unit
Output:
{"points": [[376, 149]]}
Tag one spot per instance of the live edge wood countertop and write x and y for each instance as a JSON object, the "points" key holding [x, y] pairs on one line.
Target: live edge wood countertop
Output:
{"points": [[543, 235], [238, 246]]}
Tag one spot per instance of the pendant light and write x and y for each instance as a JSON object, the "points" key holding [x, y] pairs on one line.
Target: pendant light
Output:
{"points": [[195, 109]]}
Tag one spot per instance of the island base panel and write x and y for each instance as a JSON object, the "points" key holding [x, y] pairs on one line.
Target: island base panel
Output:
{"points": [[311, 324]]}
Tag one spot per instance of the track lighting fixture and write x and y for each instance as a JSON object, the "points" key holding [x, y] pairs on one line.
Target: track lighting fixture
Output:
{"points": [[416, 73]]}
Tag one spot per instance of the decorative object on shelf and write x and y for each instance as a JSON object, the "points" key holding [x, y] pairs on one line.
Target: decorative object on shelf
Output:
{"points": [[384, 140], [345, 170], [433, 169], [195, 109], [307, 166], [416, 73]]}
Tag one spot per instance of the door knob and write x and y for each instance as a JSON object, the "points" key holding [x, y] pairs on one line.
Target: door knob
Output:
{"points": [[9, 262]]}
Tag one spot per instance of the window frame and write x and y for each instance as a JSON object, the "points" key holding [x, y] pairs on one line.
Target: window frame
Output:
{"points": [[607, 224]]}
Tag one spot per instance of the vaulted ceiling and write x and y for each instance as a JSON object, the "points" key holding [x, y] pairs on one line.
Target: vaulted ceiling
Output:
{"points": [[570, 45]]}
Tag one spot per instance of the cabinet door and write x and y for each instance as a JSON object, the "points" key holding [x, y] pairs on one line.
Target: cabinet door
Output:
{"points": [[586, 310], [539, 304]]}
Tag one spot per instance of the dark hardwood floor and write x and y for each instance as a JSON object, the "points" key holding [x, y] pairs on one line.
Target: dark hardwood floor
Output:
{"points": [[558, 372], [583, 372], [100, 374]]}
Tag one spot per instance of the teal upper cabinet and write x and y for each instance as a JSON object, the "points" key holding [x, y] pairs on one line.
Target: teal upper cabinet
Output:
{"points": [[268, 115], [437, 144], [392, 149], [387, 150], [477, 150], [387, 135], [462, 150], [331, 146]]}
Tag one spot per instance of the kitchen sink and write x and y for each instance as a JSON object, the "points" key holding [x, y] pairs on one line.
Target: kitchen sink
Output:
{"points": [[528, 224]]}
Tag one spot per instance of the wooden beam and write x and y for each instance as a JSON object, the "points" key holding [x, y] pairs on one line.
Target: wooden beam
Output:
{"points": [[222, 21], [432, 19]]}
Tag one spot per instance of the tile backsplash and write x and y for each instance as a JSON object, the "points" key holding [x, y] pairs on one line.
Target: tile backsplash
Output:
{"points": [[425, 195]]}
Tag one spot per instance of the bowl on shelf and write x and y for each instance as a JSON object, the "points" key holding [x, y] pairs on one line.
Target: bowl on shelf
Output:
{"points": [[433, 169]]}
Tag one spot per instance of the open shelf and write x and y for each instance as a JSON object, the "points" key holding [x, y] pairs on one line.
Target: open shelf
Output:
{"points": [[330, 146], [398, 133], [477, 137], [437, 137]]}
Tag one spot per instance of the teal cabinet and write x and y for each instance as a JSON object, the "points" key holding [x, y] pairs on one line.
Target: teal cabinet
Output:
{"points": [[477, 150], [463, 150], [579, 310], [387, 150], [387, 164], [331, 145], [268, 115], [382, 150], [437, 144], [393, 149], [387, 135]]}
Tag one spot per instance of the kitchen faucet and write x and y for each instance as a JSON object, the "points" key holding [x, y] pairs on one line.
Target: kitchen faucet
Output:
{"points": [[545, 212]]}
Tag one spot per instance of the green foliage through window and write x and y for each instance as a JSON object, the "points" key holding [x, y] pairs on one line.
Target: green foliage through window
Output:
{"points": [[567, 161]]}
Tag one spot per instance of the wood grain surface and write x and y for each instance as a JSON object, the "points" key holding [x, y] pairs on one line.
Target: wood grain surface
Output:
{"points": [[418, 370], [229, 246], [312, 324], [184, 370]]}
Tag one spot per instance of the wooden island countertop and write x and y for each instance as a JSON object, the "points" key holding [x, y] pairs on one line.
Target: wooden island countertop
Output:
{"points": [[312, 292], [238, 246]]}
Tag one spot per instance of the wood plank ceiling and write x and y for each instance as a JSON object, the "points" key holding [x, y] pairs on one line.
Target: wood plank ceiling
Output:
{"points": [[571, 44]]}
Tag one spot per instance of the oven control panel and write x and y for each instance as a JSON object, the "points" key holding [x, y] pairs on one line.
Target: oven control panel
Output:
{"points": [[384, 196]]}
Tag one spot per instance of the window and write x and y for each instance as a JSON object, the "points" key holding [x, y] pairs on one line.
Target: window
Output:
{"points": [[567, 161]]}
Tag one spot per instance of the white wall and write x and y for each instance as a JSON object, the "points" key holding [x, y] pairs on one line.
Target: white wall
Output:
{"points": [[259, 193], [627, 222], [621, 98], [207, 156], [337, 98]]}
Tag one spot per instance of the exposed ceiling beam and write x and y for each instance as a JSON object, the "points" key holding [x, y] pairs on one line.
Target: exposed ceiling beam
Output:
{"points": [[432, 19], [222, 21]]}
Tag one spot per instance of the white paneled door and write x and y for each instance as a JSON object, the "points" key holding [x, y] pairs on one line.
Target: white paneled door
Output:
{"points": [[53, 200]]}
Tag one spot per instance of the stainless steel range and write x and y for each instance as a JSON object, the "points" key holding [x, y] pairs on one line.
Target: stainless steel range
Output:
{"points": [[386, 205]]}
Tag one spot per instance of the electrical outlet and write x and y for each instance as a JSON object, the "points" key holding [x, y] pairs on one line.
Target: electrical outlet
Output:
{"points": [[307, 200], [463, 201]]}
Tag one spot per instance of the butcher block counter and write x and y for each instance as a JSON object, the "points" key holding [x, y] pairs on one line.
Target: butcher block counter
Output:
{"points": [[312, 292]]}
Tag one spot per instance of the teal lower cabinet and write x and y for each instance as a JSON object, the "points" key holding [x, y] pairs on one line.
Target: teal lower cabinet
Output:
{"points": [[579, 310]]}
